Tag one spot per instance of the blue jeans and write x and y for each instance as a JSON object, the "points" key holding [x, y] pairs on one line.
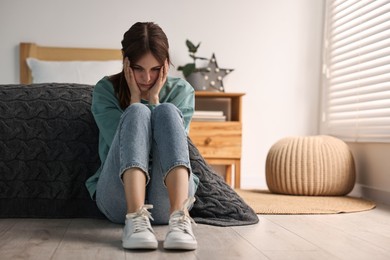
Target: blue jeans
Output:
{"points": [[154, 141]]}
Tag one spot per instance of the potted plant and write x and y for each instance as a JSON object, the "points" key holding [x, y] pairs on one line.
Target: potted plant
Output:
{"points": [[193, 74], [208, 78]]}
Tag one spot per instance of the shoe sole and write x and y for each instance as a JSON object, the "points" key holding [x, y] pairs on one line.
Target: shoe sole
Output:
{"points": [[140, 245], [180, 246]]}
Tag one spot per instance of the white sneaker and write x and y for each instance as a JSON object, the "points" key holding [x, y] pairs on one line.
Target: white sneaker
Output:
{"points": [[180, 235], [138, 233]]}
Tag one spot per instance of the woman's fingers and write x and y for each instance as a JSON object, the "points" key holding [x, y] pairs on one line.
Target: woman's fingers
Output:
{"points": [[164, 72], [130, 79], [166, 68], [126, 65]]}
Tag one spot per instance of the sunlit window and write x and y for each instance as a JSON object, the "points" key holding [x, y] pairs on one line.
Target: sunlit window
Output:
{"points": [[356, 71]]}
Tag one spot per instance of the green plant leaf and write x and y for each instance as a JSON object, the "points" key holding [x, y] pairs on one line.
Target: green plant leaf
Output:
{"points": [[191, 47], [187, 69]]}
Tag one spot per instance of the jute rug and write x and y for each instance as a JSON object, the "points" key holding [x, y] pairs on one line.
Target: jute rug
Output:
{"points": [[264, 202]]}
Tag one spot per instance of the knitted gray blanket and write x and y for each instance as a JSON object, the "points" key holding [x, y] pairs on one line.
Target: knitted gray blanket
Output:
{"points": [[49, 147]]}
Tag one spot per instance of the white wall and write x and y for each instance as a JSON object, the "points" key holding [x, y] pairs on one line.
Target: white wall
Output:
{"points": [[273, 45]]}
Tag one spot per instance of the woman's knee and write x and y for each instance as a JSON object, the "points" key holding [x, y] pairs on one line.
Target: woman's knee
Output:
{"points": [[136, 110], [166, 113], [165, 110]]}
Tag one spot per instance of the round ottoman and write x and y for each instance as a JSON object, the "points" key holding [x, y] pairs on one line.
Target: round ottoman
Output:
{"points": [[310, 165]]}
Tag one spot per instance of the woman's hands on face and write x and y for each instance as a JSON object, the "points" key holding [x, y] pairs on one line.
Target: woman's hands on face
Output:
{"points": [[155, 90], [135, 92]]}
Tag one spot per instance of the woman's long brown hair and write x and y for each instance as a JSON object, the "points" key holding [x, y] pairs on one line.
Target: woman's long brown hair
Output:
{"points": [[140, 39]]}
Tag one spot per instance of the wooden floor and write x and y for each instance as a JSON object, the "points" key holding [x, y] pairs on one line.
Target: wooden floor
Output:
{"points": [[364, 235]]}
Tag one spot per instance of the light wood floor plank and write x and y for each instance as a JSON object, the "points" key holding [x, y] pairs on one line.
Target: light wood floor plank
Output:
{"points": [[374, 229], [213, 243], [277, 242], [299, 255], [5, 225], [91, 239], [224, 243], [267, 235], [329, 237], [32, 238], [363, 235]]}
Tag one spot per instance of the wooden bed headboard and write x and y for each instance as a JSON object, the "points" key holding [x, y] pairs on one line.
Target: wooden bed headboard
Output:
{"points": [[33, 50]]}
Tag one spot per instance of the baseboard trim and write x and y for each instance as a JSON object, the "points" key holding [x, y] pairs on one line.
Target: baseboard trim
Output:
{"points": [[253, 182], [371, 193]]}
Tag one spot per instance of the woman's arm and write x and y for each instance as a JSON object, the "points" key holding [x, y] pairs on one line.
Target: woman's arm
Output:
{"points": [[106, 110]]}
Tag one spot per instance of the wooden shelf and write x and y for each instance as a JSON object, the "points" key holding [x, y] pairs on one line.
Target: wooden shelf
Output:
{"points": [[220, 142]]}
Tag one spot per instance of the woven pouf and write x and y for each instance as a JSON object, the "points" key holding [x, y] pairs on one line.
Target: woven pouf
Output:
{"points": [[311, 165]]}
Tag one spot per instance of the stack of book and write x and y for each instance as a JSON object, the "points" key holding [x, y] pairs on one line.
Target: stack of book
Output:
{"points": [[216, 116]]}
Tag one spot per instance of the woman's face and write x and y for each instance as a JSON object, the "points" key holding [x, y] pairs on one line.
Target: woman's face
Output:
{"points": [[146, 71]]}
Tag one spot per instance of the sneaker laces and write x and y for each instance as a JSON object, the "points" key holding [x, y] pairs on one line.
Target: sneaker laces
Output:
{"points": [[141, 218], [179, 217]]}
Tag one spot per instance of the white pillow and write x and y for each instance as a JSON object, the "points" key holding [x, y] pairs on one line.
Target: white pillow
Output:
{"points": [[82, 72]]}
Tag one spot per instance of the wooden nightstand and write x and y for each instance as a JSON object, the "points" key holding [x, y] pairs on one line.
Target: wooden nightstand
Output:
{"points": [[220, 142]]}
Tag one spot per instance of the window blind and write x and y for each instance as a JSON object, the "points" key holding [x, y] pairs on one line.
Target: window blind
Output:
{"points": [[356, 71]]}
